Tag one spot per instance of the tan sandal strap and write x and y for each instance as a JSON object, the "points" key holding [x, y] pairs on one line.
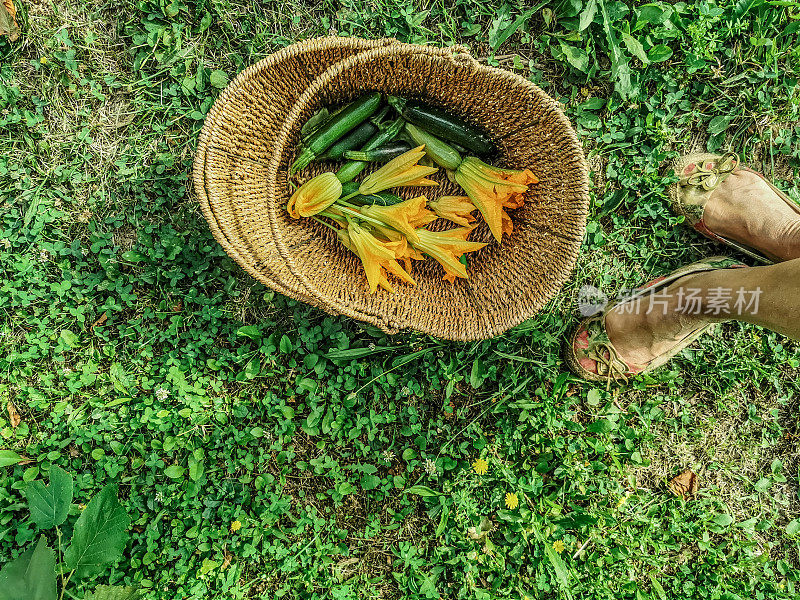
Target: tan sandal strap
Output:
{"points": [[709, 179]]}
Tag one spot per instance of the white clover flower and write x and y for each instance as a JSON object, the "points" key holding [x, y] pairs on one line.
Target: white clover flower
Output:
{"points": [[430, 467], [162, 394], [388, 455]]}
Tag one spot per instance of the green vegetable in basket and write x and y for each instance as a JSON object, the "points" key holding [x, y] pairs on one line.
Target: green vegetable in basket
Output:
{"points": [[444, 125], [351, 169], [383, 154], [355, 139], [335, 128], [441, 153], [379, 199]]}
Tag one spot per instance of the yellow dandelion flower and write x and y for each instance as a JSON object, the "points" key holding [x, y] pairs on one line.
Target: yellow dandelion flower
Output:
{"points": [[558, 546], [236, 526], [512, 501], [480, 466]]}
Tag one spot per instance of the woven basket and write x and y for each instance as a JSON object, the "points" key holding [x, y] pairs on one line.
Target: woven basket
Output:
{"points": [[508, 283], [235, 146]]}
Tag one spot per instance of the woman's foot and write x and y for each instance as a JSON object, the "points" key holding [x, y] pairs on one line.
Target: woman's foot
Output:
{"points": [[735, 205], [647, 328], [746, 209], [643, 330]]}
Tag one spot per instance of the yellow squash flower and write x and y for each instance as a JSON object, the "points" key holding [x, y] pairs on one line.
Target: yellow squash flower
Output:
{"points": [[375, 255], [404, 251], [315, 195], [446, 247], [492, 189], [457, 209], [512, 501], [480, 466], [400, 171], [405, 217]]}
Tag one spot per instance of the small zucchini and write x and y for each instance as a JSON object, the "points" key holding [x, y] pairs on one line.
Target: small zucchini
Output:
{"points": [[444, 125], [355, 139], [349, 187], [351, 169], [383, 154], [441, 153], [336, 127], [379, 199]]}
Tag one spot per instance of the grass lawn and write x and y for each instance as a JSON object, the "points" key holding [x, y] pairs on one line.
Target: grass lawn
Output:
{"points": [[134, 351]]}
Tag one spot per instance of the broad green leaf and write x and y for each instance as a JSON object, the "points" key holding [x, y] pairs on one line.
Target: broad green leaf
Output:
{"points": [[285, 344], [719, 124], [601, 426], [558, 565], [174, 471], [32, 576], [370, 482], [576, 57], [477, 374], [659, 53], [587, 16], [249, 331], [659, 589], [119, 377], [742, 7], [406, 358], [100, 533], [620, 69], [723, 520], [593, 397], [196, 469], [421, 490], [793, 528], [69, 338], [8, 458], [635, 47], [651, 14], [114, 592], [49, 505], [515, 357], [219, 79], [355, 352], [442, 521], [497, 38]]}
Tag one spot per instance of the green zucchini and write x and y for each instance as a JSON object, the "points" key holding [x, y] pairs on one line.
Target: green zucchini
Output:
{"points": [[351, 169], [379, 199], [355, 139], [349, 187], [383, 154], [336, 127], [444, 125], [441, 153]]}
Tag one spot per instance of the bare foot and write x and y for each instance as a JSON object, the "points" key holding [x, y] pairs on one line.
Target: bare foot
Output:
{"points": [[745, 209], [641, 333]]}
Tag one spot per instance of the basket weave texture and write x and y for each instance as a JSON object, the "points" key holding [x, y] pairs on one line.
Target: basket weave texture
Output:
{"points": [[251, 135]]}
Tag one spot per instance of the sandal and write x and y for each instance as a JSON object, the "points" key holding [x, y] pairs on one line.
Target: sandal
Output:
{"points": [[699, 175], [589, 352]]}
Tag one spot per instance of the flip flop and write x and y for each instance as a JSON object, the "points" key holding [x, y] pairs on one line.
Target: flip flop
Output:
{"points": [[699, 175], [589, 352]]}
